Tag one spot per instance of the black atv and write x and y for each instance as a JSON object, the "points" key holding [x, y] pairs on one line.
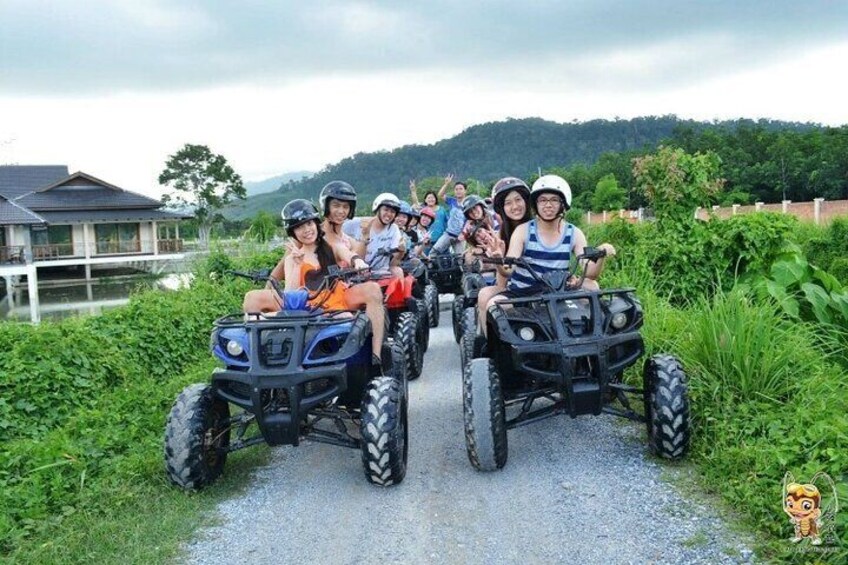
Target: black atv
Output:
{"points": [[424, 289], [564, 351], [474, 277], [445, 271], [298, 375]]}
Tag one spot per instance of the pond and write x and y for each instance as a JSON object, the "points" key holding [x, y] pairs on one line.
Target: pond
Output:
{"points": [[59, 301]]}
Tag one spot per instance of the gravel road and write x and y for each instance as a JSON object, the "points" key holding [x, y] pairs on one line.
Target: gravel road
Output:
{"points": [[581, 490]]}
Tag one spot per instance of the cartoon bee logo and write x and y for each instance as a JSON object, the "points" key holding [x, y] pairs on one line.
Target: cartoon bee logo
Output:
{"points": [[803, 504]]}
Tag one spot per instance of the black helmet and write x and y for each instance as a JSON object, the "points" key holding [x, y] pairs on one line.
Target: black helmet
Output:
{"points": [[297, 212], [339, 190], [502, 188], [470, 202]]}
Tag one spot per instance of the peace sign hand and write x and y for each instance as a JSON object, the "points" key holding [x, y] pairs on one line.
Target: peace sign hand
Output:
{"points": [[293, 251]]}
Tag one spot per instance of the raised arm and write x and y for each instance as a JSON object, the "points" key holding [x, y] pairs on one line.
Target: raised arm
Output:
{"points": [[413, 193], [444, 189]]}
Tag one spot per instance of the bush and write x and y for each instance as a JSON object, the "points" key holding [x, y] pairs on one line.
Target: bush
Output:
{"points": [[84, 400]]}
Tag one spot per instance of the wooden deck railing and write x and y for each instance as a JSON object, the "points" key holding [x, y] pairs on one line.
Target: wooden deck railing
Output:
{"points": [[12, 254]]}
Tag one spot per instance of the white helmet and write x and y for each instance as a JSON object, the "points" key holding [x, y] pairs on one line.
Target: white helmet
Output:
{"points": [[553, 184], [386, 199]]}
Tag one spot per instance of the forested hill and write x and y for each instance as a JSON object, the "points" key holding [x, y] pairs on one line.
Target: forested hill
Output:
{"points": [[486, 152]]}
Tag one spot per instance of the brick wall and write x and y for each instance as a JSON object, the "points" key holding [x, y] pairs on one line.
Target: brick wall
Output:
{"points": [[829, 209]]}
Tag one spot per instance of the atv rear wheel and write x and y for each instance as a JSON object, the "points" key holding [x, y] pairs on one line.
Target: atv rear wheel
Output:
{"points": [[666, 406], [458, 305], [423, 327], [431, 298], [469, 321], [197, 435], [384, 431], [484, 415], [405, 336]]}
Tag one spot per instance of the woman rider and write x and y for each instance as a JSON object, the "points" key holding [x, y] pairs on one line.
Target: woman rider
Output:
{"points": [[431, 201], [308, 258], [338, 201], [511, 200]]}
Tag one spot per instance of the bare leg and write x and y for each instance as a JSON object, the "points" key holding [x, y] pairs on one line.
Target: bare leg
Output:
{"points": [[265, 300], [483, 297], [369, 295], [493, 300]]}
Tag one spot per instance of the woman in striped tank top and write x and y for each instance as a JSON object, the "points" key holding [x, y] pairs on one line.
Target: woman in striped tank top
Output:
{"points": [[547, 241]]}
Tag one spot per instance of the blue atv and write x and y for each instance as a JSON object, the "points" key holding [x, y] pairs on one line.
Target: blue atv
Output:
{"points": [[297, 374]]}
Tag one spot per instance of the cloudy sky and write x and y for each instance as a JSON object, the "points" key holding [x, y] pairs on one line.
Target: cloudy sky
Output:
{"points": [[112, 87]]}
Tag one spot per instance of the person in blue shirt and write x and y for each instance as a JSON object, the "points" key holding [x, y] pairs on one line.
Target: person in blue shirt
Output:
{"points": [[431, 202], [456, 217]]}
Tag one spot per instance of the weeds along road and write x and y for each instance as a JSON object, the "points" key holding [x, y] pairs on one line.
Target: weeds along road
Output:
{"points": [[583, 491]]}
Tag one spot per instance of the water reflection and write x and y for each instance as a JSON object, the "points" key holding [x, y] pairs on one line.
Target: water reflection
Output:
{"points": [[81, 299]]}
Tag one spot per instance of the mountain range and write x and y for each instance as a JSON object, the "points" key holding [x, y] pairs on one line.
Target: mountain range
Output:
{"points": [[485, 152]]}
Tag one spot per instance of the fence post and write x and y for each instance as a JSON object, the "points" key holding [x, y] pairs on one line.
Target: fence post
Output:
{"points": [[786, 204], [697, 210], [588, 218], [735, 209], [817, 203], [758, 206], [639, 212], [604, 217]]}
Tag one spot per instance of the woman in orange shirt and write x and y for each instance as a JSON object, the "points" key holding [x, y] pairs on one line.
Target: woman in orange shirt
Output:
{"points": [[307, 260]]}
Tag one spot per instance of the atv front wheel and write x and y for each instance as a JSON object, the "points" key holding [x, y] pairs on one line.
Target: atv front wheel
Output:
{"points": [[197, 435], [484, 415], [666, 406], [458, 305], [384, 432], [406, 335], [431, 298]]}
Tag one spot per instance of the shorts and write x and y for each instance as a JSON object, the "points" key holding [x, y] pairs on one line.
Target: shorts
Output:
{"points": [[533, 290]]}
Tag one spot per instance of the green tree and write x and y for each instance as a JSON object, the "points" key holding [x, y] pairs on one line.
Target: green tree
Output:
{"points": [[608, 195], [676, 182], [263, 227], [203, 182]]}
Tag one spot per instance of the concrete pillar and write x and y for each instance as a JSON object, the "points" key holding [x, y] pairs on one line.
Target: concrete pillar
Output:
{"points": [[735, 209], [588, 218], [32, 287], [155, 238], [817, 206], [89, 291], [786, 204], [10, 294], [758, 206], [639, 214], [86, 241], [604, 217]]}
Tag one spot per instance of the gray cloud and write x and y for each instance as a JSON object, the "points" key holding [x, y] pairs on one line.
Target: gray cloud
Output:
{"points": [[102, 46]]}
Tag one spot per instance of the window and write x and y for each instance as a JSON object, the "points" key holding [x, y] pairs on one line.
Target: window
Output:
{"points": [[53, 235], [117, 238]]}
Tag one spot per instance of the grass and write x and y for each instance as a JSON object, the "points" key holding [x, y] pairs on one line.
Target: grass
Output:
{"points": [[148, 524]]}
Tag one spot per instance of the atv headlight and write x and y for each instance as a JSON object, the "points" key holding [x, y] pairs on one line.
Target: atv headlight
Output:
{"points": [[526, 333], [234, 348], [619, 320]]}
